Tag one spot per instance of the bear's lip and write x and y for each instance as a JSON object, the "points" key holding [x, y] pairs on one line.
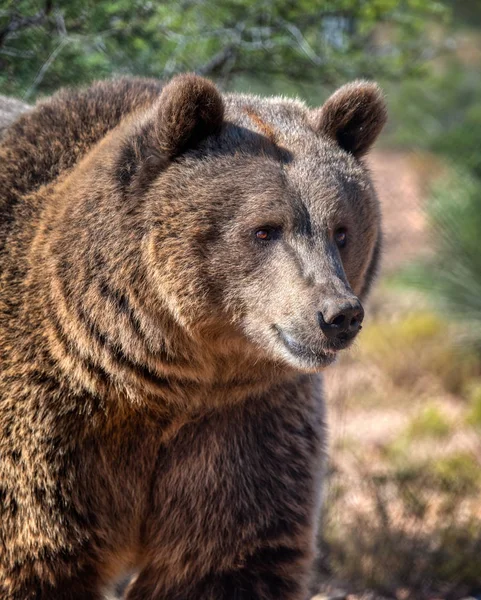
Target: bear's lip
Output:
{"points": [[322, 357]]}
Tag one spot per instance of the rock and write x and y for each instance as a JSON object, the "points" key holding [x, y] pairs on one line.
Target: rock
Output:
{"points": [[10, 108]]}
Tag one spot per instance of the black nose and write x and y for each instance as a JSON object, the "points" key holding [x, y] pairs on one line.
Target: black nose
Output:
{"points": [[341, 319]]}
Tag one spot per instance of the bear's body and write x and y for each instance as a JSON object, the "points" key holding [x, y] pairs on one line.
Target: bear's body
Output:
{"points": [[171, 275]]}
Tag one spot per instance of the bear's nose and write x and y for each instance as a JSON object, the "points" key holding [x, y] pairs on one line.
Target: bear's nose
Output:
{"points": [[341, 319]]}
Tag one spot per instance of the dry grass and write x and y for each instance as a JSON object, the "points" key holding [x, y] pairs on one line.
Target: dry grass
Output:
{"points": [[402, 511], [402, 505]]}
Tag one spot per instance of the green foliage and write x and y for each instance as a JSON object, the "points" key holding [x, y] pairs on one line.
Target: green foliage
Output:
{"points": [[461, 142], [458, 473], [44, 45], [414, 346], [452, 276], [430, 422], [474, 414], [441, 113], [467, 12], [454, 475]]}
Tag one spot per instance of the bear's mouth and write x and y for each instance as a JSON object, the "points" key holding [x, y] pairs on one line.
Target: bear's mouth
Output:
{"points": [[306, 353]]}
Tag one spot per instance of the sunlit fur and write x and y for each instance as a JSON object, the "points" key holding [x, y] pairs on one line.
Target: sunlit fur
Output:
{"points": [[151, 417]]}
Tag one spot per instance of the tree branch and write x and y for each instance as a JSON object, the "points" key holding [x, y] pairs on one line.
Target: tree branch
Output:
{"points": [[218, 61], [17, 23]]}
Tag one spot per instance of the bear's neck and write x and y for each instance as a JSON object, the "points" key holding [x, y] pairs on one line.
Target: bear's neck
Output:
{"points": [[115, 344]]}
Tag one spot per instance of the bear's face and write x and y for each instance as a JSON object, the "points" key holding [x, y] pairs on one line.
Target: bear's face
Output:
{"points": [[297, 247], [269, 228]]}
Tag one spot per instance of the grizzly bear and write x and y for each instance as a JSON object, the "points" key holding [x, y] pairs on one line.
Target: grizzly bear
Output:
{"points": [[177, 268]]}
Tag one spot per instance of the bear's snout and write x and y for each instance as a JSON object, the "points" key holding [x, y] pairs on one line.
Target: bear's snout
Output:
{"points": [[341, 319]]}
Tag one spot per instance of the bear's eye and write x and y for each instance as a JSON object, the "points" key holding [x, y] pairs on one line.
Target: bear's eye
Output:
{"points": [[340, 237], [267, 234]]}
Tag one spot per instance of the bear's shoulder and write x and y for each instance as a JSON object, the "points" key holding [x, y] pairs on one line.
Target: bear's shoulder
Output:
{"points": [[52, 137]]}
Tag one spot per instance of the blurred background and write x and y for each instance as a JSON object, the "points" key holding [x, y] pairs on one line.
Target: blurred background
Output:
{"points": [[402, 516]]}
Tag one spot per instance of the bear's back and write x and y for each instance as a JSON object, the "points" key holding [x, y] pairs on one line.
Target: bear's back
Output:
{"points": [[55, 135]]}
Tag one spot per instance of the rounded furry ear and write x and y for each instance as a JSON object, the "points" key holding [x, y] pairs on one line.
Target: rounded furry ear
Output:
{"points": [[353, 116], [190, 108]]}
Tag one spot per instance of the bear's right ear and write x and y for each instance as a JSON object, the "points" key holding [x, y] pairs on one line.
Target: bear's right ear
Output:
{"points": [[188, 110], [353, 116]]}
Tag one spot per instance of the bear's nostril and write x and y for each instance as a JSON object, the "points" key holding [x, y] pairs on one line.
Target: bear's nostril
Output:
{"points": [[338, 321]]}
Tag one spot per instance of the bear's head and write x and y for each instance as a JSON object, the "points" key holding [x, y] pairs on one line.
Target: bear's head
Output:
{"points": [[263, 222]]}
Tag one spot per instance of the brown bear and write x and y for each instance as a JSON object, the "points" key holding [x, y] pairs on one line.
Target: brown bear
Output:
{"points": [[177, 267]]}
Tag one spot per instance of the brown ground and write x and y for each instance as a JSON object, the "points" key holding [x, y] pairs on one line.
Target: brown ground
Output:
{"points": [[368, 408], [402, 180]]}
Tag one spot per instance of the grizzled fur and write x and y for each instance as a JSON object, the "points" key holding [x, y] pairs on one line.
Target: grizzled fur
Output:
{"points": [[160, 403]]}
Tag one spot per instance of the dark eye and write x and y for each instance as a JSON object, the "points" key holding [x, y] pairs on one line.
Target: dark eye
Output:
{"points": [[267, 234], [340, 236]]}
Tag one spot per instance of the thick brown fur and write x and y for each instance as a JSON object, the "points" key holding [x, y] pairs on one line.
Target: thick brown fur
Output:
{"points": [[160, 402], [353, 116]]}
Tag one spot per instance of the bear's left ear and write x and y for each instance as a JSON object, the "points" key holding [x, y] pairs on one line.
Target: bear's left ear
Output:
{"points": [[353, 116]]}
